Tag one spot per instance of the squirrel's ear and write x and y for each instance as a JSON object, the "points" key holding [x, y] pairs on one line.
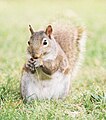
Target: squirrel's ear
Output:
{"points": [[31, 29], [49, 31]]}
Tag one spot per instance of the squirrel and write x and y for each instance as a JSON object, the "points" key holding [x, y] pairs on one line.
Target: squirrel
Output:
{"points": [[53, 57]]}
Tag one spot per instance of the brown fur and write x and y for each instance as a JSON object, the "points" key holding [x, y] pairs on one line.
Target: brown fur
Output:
{"points": [[69, 40]]}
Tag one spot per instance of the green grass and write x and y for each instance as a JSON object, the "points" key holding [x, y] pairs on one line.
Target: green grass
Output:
{"points": [[87, 98]]}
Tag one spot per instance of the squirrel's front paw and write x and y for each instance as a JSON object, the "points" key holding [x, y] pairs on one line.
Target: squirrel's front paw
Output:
{"points": [[32, 64]]}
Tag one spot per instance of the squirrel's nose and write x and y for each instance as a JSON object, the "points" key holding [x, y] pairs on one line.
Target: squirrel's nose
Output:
{"points": [[36, 56]]}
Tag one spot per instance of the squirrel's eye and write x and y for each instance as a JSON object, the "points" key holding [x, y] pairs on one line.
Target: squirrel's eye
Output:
{"points": [[45, 42], [28, 43]]}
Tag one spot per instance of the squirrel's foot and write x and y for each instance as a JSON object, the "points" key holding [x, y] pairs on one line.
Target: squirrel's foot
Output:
{"points": [[32, 64]]}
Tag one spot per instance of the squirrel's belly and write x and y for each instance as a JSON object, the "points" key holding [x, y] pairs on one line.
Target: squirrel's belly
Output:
{"points": [[57, 87]]}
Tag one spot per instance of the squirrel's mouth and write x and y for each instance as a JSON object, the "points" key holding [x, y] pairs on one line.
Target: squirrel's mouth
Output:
{"points": [[39, 56]]}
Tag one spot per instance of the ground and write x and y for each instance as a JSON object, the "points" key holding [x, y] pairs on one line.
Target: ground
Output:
{"points": [[87, 98]]}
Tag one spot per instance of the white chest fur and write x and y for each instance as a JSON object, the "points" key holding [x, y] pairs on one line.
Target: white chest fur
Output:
{"points": [[57, 87]]}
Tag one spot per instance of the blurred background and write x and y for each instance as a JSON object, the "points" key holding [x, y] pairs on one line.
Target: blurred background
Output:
{"points": [[16, 15]]}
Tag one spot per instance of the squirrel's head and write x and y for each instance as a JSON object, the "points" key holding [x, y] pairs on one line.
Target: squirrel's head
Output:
{"points": [[41, 43]]}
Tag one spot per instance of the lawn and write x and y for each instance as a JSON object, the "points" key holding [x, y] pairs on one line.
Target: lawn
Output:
{"points": [[87, 98]]}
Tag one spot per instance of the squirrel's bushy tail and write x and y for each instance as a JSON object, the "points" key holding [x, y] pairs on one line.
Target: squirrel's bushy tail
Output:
{"points": [[70, 33], [80, 43]]}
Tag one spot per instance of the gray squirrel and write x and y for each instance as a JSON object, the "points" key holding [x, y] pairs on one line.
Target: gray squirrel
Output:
{"points": [[53, 58]]}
